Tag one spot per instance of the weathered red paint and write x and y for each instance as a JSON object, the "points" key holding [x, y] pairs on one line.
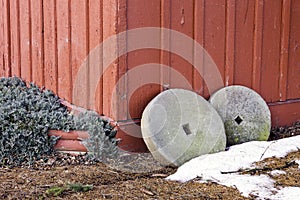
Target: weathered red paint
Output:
{"points": [[289, 108], [50, 45], [37, 72], [270, 68], [132, 141], [254, 43], [15, 39], [5, 38], [284, 48], [64, 67], [293, 77], [95, 38]]}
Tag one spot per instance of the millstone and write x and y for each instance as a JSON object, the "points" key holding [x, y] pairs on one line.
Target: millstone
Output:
{"points": [[178, 125], [245, 114]]}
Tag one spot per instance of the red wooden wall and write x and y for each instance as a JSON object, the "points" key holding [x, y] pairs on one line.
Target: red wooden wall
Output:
{"points": [[255, 43]]}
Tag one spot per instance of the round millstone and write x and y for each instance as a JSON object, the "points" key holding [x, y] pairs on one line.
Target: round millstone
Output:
{"points": [[245, 114], [178, 125]]}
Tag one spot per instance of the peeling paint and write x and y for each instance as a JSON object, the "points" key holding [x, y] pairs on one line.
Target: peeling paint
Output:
{"points": [[182, 20]]}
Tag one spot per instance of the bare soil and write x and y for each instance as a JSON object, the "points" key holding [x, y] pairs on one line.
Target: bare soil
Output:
{"points": [[51, 177], [287, 164], [22, 183]]}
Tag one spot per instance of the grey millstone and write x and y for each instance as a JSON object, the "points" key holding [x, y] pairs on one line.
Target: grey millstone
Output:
{"points": [[245, 114], [178, 125]]}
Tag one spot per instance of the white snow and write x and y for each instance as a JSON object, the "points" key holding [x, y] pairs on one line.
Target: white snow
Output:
{"points": [[209, 167], [298, 162], [277, 172], [287, 193]]}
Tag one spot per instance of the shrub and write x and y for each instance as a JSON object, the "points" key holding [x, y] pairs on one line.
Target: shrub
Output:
{"points": [[101, 143], [26, 115]]}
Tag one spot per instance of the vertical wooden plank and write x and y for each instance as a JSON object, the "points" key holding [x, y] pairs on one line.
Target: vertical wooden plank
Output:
{"points": [[114, 21], [284, 49], [111, 73], [79, 47], [64, 68], [96, 37], [1, 39], [6, 38], [271, 50], [121, 88], [15, 38], [165, 57], [198, 82], [244, 38], [37, 42], [230, 42], [139, 14], [50, 56], [215, 34], [182, 20], [142, 14], [25, 40], [293, 91], [257, 45]]}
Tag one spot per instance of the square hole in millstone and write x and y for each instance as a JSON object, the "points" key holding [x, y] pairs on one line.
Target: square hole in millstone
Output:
{"points": [[186, 128], [238, 120]]}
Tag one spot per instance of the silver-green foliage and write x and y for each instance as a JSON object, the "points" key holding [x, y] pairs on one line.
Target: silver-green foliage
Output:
{"points": [[26, 115], [101, 143]]}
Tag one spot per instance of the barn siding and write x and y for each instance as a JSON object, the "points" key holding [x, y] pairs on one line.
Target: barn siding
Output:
{"points": [[255, 43]]}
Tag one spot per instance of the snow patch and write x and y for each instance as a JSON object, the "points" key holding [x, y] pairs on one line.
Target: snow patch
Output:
{"points": [[287, 193], [298, 162], [277, 172], [222, 167], [247, 184]]}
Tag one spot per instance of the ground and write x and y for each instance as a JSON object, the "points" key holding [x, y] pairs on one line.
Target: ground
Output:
{"points": [[51, 178], [107, 184]]}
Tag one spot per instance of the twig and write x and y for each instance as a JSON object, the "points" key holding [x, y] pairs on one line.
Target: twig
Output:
{"points": [[159, 175], [266, 150], [147, 192]]}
